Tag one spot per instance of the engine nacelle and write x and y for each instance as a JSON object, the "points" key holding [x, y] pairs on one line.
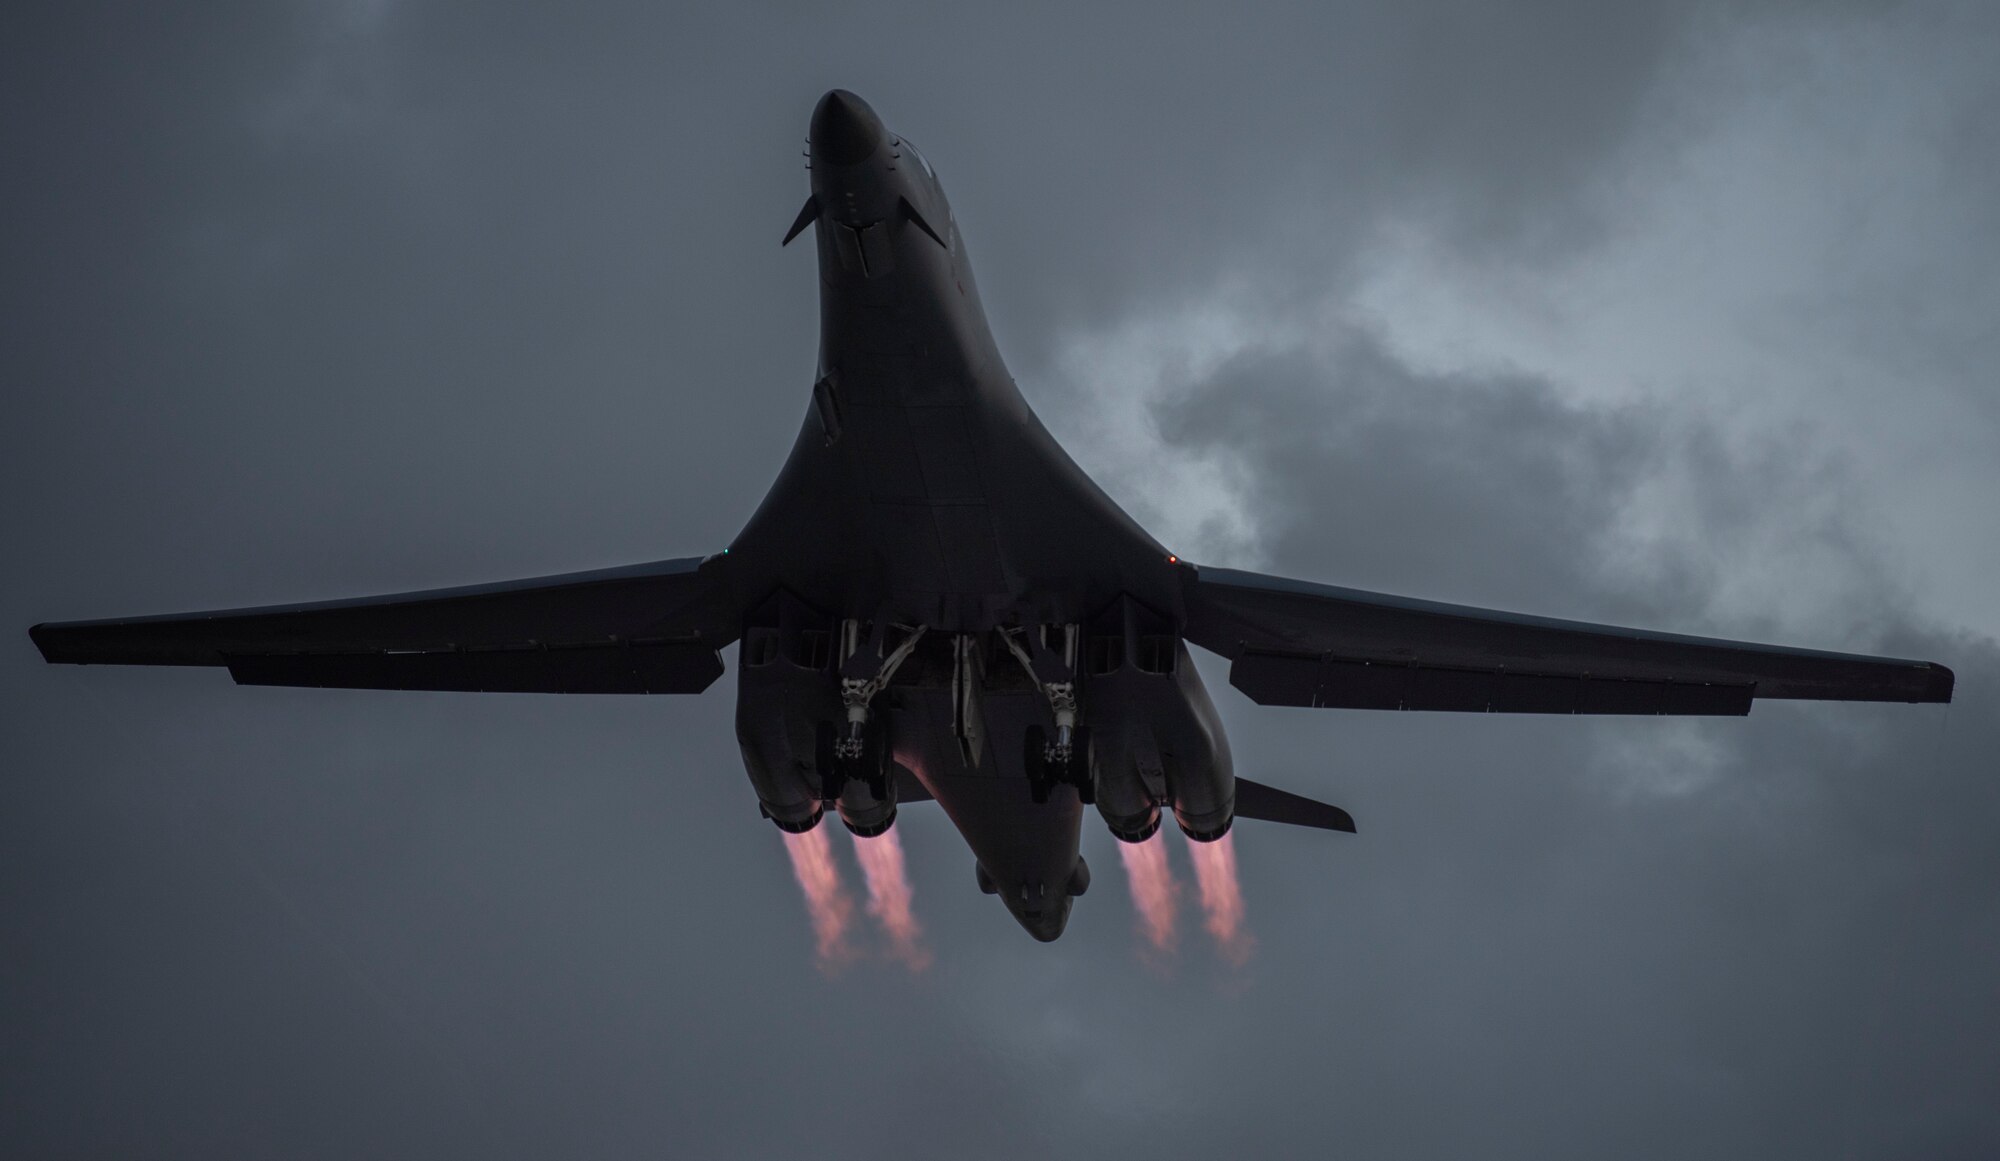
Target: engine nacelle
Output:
{"points": [[786, 693], [1155, 733], [1125, 802], [1201, 777], [863, 811]]}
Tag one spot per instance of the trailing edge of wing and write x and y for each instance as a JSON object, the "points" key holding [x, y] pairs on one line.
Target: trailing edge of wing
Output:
{"points": [[1297, 643], [1270, 804], [645, 628]]}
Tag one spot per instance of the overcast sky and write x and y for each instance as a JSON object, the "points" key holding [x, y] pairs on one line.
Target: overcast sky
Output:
{"points": [[1676, 315]]}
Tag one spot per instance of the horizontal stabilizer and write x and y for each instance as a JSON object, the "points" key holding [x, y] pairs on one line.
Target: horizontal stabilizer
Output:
{"points": [[1270, 804]]}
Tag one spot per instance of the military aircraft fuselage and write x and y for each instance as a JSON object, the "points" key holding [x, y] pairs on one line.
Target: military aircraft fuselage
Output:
{"points": [[920, 476], [924, 494]]}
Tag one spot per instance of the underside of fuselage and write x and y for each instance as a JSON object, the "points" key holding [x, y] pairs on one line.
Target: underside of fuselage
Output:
{"points": [[1012, 731], [923, 502]]}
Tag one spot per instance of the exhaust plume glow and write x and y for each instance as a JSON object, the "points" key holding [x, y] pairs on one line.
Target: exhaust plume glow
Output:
{"points": [[1222, 898], [827, 901], [889, 893], [1154, 892]]}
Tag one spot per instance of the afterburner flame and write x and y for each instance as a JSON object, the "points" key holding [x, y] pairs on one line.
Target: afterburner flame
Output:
{"points": [[1154, 892], [1222, 898], [827, 901], [882, 865]]}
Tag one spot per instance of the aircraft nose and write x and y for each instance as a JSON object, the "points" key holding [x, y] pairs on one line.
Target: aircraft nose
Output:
{"points": [[844, 129]]}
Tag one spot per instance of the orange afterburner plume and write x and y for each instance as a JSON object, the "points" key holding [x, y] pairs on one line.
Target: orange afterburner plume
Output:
{"points": [[1154, 892], [1221, 897], [826, 900], [882, 865]]}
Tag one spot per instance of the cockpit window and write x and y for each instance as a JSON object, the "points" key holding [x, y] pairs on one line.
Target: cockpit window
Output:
{"points": [[910, 148]]}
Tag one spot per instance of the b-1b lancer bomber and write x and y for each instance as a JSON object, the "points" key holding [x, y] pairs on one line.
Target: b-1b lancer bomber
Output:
{"points": [[934, 602]]}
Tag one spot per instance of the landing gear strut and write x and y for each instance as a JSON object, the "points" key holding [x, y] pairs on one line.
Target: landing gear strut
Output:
{"points": [[1065, 759], [858, 686], [857, 750], [870, 766]]}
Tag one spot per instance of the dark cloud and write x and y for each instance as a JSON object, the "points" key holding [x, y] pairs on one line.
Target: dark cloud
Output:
{"points": [[1498, 490], [337, 299], [1581, 930]]}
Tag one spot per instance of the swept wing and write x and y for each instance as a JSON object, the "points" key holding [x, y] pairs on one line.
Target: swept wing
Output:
{"points": [[1303, 644], [643, 628]]}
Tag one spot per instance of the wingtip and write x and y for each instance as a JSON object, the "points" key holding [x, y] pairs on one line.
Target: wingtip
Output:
{"points": [[41, 634], [1940, 685]]}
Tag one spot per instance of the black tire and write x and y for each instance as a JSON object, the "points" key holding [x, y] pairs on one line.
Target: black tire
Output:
{"points": [[1035, 759], [872, 768], [1082, 767], [830, 774]]}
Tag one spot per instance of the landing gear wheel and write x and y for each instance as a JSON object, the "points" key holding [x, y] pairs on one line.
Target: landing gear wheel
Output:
{"points": [[828, 767], [872, 768], [1035, 757], [1046, 773], [1082, 770]]}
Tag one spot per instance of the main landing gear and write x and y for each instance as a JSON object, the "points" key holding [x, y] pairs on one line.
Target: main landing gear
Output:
{"points": [[1063, 760], [1052, 764], [857, 750]]}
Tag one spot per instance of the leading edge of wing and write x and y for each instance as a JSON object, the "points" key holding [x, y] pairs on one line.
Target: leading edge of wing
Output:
{"points": [[1232, 612], [594, 606]]}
